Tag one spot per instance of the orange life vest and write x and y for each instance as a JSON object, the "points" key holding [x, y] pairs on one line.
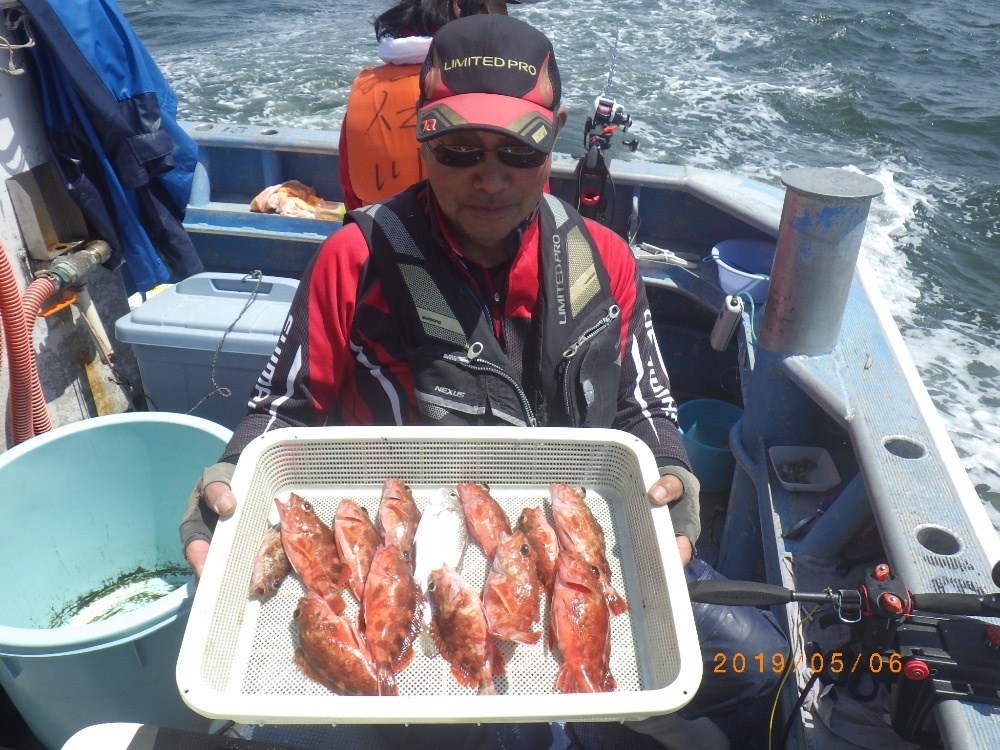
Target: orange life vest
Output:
{"points": [[383, 153]]}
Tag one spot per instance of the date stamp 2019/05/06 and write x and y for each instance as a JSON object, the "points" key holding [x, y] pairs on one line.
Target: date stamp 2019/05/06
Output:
{"points": [[836, 662]]}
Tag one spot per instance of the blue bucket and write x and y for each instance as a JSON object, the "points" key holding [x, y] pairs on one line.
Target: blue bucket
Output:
{"points": [[705, 424], [96, 590]]}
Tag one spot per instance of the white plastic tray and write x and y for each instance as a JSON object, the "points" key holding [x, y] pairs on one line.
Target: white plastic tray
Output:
{"points": [[236, 660], [812, 467]]}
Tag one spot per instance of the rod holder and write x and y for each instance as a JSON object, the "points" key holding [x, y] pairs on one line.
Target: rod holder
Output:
{"points": [[822, 224]]}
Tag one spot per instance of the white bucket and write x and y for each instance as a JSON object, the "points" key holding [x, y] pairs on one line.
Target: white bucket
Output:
{"points": [[745, 266]]}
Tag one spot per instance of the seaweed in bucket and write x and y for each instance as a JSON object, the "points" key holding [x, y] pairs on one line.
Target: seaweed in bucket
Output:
{"points": [[126, 593]]}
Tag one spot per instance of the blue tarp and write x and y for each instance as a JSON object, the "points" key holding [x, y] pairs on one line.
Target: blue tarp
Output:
{"points": [[111, 119]]}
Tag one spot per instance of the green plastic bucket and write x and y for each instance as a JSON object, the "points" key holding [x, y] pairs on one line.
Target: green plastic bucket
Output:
{"points": [[96, 590], [705, 424]]}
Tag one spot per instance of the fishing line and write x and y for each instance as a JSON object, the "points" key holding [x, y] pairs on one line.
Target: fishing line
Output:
{"points": [[222, 390], [614, 60]]}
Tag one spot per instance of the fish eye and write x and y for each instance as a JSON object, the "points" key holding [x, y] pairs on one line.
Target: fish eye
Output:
{"points": [[595, 571], [452, 494], [525, 549], [297, 612], [484, 485], [406, 554], [307, 505], [431, 586]]}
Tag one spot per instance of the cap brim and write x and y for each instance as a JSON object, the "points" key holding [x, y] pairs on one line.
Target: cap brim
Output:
{"points": [[530, 123]]}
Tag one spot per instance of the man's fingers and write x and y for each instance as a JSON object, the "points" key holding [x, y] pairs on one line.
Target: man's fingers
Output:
{"points": [[196, 552], [219, 498]]}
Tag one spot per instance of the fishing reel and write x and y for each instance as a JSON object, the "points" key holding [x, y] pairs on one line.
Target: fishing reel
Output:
{"points": [[925, 648], [594, 184], [608, 116]]}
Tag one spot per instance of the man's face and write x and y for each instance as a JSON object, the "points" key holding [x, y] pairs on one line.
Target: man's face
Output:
{"points": [[485, 202]]}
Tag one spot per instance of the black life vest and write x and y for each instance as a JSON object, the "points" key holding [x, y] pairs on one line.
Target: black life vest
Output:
{"points": [[461, 374]]}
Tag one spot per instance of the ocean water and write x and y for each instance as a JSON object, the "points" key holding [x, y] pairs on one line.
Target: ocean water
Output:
{"points": [[903, 91]]}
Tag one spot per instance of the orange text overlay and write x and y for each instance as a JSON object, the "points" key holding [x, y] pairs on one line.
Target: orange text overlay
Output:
{"points": [[835, 662]]}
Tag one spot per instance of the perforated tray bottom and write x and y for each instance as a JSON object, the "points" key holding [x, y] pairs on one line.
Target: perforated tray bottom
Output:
{"points": [[531, 670]]}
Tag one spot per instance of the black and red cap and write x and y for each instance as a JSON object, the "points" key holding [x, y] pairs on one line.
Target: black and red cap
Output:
{"points": [[490, 72]]}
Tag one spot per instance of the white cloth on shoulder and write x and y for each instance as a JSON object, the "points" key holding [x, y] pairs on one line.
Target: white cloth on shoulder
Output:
{"points": [[407, 50]]}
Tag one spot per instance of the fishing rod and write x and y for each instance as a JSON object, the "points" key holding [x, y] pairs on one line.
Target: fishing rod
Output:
{"points": [[924, 648], [594, 186]]}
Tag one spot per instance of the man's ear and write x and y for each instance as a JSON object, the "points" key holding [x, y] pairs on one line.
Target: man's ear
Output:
{"points": [[561, 116]]}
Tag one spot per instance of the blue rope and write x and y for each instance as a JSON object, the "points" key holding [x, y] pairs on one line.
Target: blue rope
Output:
{"points": [[753, 331]]}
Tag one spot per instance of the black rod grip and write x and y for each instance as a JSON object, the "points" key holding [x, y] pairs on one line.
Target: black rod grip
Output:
{"points": [[738, 593], [957, 604]]}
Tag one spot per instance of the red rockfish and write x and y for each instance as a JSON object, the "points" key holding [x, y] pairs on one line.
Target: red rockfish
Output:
{"points": [[484, 517], [543, 540], [459, 630], [312, 550], [270, 565], [391, 612], [398, 516], [357, 541], [580, 624], [331, 651], [512, 596], [579, 532]]}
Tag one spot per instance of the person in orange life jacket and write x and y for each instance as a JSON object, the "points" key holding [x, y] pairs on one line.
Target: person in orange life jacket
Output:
{"points": [[379, 155], [487, 240]]}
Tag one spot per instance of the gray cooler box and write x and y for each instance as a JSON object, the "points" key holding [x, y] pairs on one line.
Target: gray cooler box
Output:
{"points": [[175, 335]]}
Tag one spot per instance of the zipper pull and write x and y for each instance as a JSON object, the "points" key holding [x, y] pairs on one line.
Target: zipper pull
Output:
{"points": [[613, 312]]}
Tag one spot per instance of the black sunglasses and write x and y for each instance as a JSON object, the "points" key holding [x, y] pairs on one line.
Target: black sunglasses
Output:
{"points": [[518, 157]]}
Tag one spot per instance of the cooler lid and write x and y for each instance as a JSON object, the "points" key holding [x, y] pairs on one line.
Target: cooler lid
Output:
{"points": [[196, 312]]}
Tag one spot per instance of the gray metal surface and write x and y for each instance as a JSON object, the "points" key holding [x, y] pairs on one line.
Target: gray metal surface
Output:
{"points": [[923, 519]]}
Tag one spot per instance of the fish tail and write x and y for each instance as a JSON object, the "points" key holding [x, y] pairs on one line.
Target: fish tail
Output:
{"points": [[386, 680], [499, 668], [565, 681], [486, 687], [529, 638]]}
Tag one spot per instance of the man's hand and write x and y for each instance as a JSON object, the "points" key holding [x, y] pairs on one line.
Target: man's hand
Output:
{"points": [[220, 499], [195, 553], [665, 490], [684, 548]]}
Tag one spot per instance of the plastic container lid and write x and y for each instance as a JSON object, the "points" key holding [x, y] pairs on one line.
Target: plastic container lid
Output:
{"points": [[196, 312]]}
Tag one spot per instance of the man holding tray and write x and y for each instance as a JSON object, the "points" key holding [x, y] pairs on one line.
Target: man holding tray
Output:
{"points": [[476, 298]]}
